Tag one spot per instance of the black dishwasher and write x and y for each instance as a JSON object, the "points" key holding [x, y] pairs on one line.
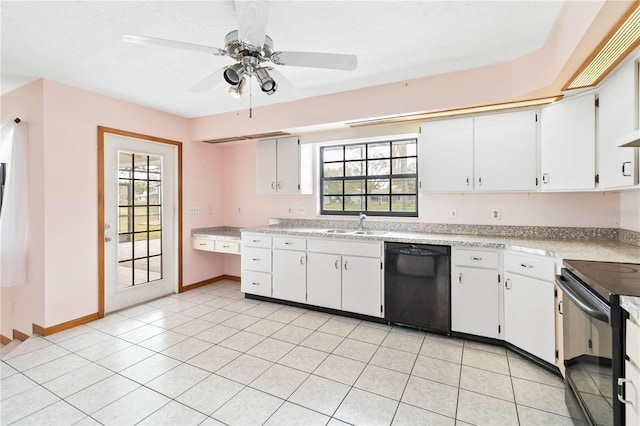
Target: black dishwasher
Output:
{"points": [[417, 286]]}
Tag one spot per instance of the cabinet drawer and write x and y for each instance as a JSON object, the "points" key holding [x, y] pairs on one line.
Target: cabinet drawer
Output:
{"points": [[476, 258], [290, 243], [345, 247], [531, 266], [256, 259], [256, 283], [202, 244], [633, 341], [232, 247], [256, 240]]}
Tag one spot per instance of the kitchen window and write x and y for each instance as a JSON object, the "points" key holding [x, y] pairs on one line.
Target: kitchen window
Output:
{"points": [[377, 178]]}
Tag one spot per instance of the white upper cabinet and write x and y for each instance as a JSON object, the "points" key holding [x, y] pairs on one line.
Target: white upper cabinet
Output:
{"points": [[505, 148], [283, 166], [446, 155], [568, 145], [618, 116]]}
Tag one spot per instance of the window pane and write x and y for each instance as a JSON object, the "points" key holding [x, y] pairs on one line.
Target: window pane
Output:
{"points": [[354, 187], [332, 187], [155, 168], [140, 271], [378, 203], [155, 243], [403, 166], [404, 203], [124, 192], [140, 192], [355, 152], [124, 165], [378, 167], [378, 186], [333, 153], [124, 219], [140, 244], [125, 247], [155, 193], [125, 274], [355, 168], [155, 268], [140, 167], [333, 169], [403, 186], [404, 148], [354, 203], [380, 150], [155, 218], [140, 219], [332, 203]]}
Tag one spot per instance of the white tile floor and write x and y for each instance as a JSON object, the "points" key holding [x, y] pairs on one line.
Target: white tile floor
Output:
{"points": [[211, 357]]}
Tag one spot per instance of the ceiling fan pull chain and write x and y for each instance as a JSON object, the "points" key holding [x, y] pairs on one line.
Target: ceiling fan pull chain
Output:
{"points": [[250, 99]]}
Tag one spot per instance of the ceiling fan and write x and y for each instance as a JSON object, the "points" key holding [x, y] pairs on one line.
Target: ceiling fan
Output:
{"points": [[252, 49]]}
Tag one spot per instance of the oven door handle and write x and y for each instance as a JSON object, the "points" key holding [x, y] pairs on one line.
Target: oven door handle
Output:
{"points": [[583, 303]]}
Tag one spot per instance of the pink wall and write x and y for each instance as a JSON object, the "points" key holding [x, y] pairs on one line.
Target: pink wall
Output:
{"points": [[21, 306], [63, 134], [630, 210]]}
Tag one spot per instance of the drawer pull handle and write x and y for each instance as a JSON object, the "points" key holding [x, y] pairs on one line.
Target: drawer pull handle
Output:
{"points": [[526, 266], [255, 283], [460, 277], [624, 168], [621, 384], [336, 265], [345, 265], [255, 241], [475, 258], [561, 307], [255, 259], [507, 284], [302, 260], [288, 243], [202, 244]]}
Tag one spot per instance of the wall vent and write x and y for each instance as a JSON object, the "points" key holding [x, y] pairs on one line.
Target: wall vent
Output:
{"points": [[248, 137]]}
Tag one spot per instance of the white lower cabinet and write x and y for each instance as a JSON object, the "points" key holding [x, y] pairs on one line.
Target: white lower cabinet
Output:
{"points": [[476, 292], [361, 285], [631, 382], [324, 280], [289, 275], [529, 315], [256, 265]]}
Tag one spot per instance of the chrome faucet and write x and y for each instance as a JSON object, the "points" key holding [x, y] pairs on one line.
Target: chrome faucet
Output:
{"points": [[361, 223]]}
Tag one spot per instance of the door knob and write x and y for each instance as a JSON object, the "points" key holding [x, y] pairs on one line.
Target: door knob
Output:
{"points": [[107, 239]]}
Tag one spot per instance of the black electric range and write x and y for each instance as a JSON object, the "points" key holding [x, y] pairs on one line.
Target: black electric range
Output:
{"points": [[594, 334]]}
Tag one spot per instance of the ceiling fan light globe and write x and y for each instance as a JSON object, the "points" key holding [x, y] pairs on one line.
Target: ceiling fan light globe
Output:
{"points": [[233, 74]]}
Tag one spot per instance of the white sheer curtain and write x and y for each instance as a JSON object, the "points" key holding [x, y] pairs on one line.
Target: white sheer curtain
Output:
{"points": [[15, 204]]}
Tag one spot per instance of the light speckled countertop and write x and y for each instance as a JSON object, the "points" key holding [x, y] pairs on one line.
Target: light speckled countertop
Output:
{"points": [[604, 250]]}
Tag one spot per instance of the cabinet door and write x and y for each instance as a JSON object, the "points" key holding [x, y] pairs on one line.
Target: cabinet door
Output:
{"points": [[288, 165], [617, 115], [361, 285], [529, 319], [559, 320], [266, 158], [446, 155], [324, 280], [506, 151], [568, 145], [289, 281], [632, 393], [475, 301]]}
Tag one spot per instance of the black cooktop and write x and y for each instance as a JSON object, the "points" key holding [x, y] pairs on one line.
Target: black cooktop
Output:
{"points": [[607, 278]]}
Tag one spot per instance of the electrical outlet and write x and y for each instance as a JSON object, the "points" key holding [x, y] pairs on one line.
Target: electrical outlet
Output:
{"points": [[453, 213], [239, 210], [300, 210], [289, 210], [193, 210], [210, 209], [495, 214]]}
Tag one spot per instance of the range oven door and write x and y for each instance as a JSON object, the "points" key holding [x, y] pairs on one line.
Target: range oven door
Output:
{"points": [[591, 358]]}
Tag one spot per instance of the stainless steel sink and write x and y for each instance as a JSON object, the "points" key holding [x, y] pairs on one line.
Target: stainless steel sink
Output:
{"points": [[369, 232], [338, 231]]}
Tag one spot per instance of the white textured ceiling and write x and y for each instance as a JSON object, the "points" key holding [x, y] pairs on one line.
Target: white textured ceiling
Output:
{"points": [[78, 43]]}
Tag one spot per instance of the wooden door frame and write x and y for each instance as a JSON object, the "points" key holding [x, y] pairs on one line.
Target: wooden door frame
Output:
{"points": [[101, 132]]}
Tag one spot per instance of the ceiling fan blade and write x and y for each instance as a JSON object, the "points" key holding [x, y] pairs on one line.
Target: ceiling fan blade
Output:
{"points": [[252, 21], [130, 38], [208, 82], [334, 61]]}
